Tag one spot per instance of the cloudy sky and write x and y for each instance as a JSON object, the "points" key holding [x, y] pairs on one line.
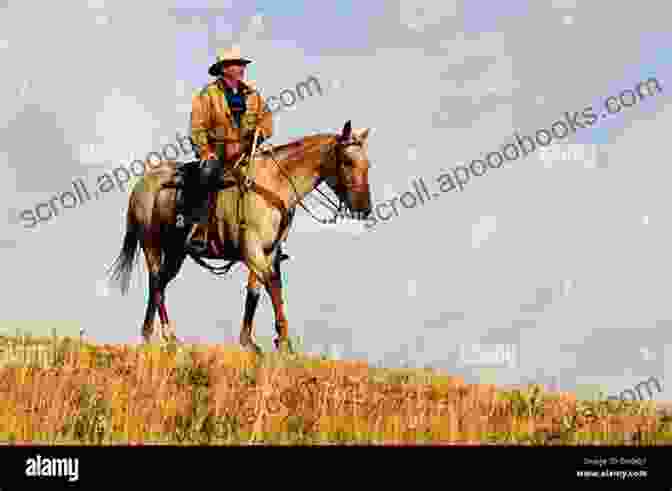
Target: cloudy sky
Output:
{"points": [[557, 250]]}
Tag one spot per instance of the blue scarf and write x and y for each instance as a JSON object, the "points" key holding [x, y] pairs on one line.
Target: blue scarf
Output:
{"points": [[236, 104]]}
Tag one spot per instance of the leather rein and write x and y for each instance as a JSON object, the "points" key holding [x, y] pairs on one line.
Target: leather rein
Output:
{"points": [[337, 207]]}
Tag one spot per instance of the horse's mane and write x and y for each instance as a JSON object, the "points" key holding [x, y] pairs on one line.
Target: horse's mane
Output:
{"points": [[287, 149], [293, 151]]}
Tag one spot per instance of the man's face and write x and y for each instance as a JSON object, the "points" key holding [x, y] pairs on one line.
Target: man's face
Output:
{"points": [[233, 71]]}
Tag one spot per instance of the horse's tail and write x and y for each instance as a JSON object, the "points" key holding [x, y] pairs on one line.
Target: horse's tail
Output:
{"points": [[123, 266]]}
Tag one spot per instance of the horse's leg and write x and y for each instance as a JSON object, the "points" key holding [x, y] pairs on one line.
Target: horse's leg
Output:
{"points": [[152, 252], [262, 266], [275, 291], [251, 302], [171, 266], [150, 313]]}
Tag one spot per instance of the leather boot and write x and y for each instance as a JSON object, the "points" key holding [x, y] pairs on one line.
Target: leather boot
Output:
{"points": [[199, 239]]}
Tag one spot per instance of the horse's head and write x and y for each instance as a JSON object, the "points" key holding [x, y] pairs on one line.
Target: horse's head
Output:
{"points": [[348, 172]]}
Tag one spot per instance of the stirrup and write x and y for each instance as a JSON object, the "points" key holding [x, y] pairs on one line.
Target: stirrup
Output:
{"points": [[198, 246]]}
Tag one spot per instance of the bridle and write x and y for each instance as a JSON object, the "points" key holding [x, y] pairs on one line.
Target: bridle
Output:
{"points": [[338, 146]]}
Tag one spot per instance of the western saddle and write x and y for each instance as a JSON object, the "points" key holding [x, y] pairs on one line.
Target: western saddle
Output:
{"points": [[192, 209]]}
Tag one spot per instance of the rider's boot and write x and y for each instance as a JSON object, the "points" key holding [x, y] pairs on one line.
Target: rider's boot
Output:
{"points": [[210, 174], [199, 239]]}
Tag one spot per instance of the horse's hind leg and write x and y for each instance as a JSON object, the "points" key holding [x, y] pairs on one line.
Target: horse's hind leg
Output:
{"points": [[150, 313], [153, 259], [172, 263], [159, 277]]}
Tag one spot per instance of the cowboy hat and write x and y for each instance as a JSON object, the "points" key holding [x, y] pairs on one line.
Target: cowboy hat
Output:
{"points": [[231, 55]]}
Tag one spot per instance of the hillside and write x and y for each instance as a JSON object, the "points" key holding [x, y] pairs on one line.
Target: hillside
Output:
{"points": [[59, 390]]}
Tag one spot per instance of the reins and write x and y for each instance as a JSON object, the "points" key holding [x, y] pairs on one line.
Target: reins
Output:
{"points": [[338, 207], [274, 200]]}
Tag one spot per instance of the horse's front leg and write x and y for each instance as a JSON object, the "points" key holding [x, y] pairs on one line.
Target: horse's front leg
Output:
{"points": [[269, 274], [251, 303], [282, 343]]}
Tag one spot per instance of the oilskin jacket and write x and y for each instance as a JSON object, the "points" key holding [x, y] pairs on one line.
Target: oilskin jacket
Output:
{"points": [[213, 124]]}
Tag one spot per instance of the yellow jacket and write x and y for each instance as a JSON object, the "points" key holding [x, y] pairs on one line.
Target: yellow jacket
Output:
{"points": [[212, 123]]}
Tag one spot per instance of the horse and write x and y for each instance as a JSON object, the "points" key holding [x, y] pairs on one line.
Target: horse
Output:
{"points": [[248, 222]]}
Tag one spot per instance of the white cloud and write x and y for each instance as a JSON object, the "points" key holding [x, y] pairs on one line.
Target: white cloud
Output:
{"points": [[412, 288], [180, 88], [418, 15], [335, 351], [90, 154], [25, 87], [224, 32], [498, 79], [567, 287], [547, 155], [7, 176], [254, 28], [257, 22], [412, 153], [102, 289], [183, 108], [563, 4], [116, 139], [647, 354], [482, 230], [388, 191]]}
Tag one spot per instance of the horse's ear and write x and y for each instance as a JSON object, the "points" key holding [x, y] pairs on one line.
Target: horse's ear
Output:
{"points": [[347, 131], [363, 134]]}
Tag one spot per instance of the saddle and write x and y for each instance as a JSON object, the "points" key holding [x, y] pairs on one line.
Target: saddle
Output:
{"points": [[190, 206]]}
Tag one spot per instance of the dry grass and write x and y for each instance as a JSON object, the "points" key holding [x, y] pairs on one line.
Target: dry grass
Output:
{"points": [[74, 393]]}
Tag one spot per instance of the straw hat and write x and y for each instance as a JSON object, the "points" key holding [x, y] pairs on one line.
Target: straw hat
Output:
{"points": [[227, 56]]}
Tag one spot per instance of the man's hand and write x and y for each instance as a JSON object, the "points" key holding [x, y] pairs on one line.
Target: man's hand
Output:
{"points": [[265, 147], [232, 150]]}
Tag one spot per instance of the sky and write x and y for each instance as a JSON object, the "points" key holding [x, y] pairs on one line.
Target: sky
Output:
{"points": [[563, 253]]}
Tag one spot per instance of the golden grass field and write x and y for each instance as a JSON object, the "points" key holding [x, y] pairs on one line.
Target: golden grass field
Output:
{"points": [[67, 392]]}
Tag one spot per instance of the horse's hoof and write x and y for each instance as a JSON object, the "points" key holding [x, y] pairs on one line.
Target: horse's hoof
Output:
{"points": [[252, 347], [256, 349], [173, 343], [284, 346]]}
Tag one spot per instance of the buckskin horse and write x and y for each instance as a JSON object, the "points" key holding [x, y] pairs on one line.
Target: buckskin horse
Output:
{"points": [[250, 219]]}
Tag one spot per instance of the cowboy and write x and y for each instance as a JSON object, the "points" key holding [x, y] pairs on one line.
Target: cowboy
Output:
{"points": [[224, 117]]}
